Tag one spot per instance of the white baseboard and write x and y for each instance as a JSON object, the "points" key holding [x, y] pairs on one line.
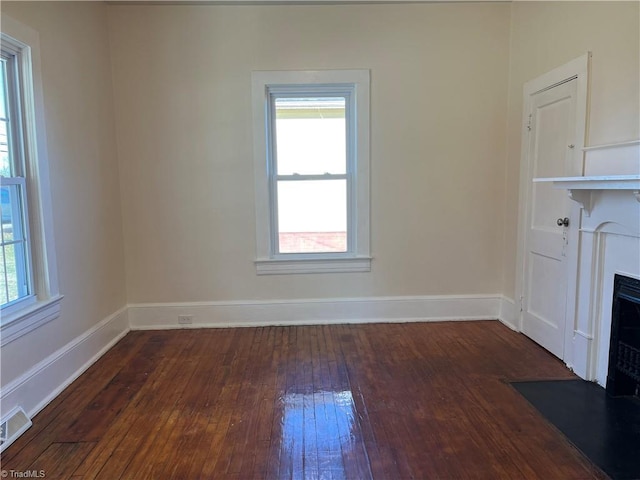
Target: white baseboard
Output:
{"points": [[41, 384], [315, 311], [509, 313]]}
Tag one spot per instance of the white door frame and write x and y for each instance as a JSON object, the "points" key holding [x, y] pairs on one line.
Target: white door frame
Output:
{"points": [[579, 69]]}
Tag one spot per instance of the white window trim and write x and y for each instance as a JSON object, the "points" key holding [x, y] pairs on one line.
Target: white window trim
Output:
{"points": [[358, 259], [45, 306]]}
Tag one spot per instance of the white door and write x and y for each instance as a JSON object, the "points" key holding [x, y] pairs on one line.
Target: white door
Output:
{"points": [[551, 136]]}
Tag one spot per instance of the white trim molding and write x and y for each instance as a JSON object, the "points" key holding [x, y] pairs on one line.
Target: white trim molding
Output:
{"points": [[28, 319], [509, 314], [37, 387], [315, 311], [333, 265]]}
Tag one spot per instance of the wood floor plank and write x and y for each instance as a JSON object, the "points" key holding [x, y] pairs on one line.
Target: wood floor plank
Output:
{"points": [[59, 460], [93, 420], [166, 413], [191, 452], [135, 422], [61, 412], [328, 402]]}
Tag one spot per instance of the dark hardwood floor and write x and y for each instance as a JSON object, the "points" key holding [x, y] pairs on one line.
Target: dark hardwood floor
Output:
{"points": [[384, 401]]}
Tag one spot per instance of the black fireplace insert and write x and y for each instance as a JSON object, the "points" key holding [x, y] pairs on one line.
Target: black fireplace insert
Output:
{"points": [[623, 377]]}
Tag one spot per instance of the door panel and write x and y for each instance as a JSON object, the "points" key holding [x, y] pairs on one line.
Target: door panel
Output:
{"points": [[545, 298], [546, 243], [551, 137]]}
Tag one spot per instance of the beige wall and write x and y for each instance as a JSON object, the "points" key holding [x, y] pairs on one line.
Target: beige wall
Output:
{"points": [[446, 79], [76, 76], [182, 79], [545, 35], [172, 85]]}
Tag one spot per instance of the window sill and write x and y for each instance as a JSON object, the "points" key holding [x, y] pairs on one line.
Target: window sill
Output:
{"points": [[323, 265], [28, 319]]}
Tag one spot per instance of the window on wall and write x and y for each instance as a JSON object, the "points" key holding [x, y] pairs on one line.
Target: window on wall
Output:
{"points": [[311, 178], [28, 280], [15, 255], [311, 139]]}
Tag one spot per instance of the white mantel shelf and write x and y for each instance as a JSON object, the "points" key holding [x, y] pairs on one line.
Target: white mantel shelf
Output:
{"points": [[608, 182], [581, 188]]}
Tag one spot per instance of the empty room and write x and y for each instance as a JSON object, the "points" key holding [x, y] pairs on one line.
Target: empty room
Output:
{"points": [[332, 239]]}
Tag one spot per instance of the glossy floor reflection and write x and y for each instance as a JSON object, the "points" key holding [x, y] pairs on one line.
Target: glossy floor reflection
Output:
{"points": [[318, 429], [383, 401]]}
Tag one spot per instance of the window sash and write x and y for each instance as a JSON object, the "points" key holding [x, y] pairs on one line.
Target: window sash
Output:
{"points": [[311, 91], [285, 186], [22, 247], [21, 243]]}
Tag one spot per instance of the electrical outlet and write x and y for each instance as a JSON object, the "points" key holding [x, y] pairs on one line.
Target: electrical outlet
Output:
{"points": [[185, 319]]}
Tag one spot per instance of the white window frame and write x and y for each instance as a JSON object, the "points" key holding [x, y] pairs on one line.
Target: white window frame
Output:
{"points": [[43, 305], [354, 85], [11, 54]]}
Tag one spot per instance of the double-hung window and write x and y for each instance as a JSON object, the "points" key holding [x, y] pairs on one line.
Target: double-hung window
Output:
{"points": [[311, 141], [28, 280], [16, 278]]}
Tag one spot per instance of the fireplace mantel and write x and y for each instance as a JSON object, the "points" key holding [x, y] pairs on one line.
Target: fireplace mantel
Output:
{"points": [[609, 239], [581, 189], [605, 242]]}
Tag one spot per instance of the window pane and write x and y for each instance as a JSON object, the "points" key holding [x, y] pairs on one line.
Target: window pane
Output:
{"points": [[3, 279], [12, 262], [15, 276], [11, 202], [5, 165], [312, 216], [7, 224], [310, 136], [3, 85]]}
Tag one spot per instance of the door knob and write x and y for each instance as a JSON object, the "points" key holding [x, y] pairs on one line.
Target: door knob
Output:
{"points": [[563, 222]]}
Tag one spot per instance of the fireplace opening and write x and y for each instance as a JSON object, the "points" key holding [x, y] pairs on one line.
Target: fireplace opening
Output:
{"points": [[623, 378]]}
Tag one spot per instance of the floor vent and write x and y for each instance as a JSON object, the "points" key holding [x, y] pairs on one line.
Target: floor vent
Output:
{"points": [[13, 425]]}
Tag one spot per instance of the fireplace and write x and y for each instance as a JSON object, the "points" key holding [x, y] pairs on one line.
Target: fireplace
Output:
{"points": [[605, 243], [623, 377]]}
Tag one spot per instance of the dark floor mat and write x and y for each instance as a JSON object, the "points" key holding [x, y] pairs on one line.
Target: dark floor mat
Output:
{"points": [[605, 429]]}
